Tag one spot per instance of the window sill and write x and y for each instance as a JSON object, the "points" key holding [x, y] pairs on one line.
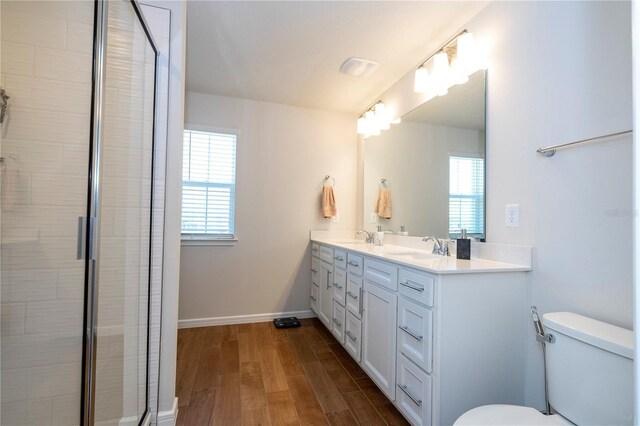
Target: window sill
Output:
{"points": [[208, 242]]}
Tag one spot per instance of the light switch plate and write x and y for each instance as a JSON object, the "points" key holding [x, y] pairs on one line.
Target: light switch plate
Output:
{"points": [[373, 218], [336, 217], [512, 215]]}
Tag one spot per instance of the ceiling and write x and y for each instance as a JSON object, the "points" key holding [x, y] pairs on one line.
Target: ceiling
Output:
{"points": [[290, 52], [463, 107]]}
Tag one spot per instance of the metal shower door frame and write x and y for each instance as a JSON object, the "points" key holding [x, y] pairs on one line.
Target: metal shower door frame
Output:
{"points": [[92, 225]]}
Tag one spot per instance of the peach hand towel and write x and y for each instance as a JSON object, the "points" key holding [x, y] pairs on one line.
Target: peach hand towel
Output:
{"points": [[328, 202], [383, 207]]}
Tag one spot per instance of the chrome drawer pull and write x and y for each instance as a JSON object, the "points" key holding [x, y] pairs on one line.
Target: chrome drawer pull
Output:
{"points": [[406, 330], [339, 258], [338, 323], [406, 284], [313, 298], [351, 336], [314, 249], [336, 285], [354, 296], [353, 263], [404, 389], [314, 270]]}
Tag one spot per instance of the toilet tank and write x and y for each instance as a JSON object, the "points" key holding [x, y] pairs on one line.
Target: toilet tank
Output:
{"points": [[589, 370]]}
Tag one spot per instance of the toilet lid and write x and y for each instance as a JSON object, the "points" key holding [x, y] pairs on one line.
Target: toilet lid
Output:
{"points": [[512, 415]]}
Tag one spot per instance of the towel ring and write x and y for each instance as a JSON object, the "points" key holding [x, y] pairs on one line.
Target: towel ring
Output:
{"points": [[384, 183], [326, 178]]}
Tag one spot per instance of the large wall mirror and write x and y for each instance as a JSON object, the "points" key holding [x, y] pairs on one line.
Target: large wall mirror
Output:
{"points": [[431, 166]]}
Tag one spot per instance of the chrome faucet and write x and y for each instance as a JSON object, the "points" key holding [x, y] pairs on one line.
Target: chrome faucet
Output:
{"points": [[369, 238], [440, 247]]}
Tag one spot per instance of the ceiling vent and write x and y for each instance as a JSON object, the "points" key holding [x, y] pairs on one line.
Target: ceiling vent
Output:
{"points": [[358, 67]]}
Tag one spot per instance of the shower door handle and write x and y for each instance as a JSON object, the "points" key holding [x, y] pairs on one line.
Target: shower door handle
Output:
{"points": [[81, 238]]}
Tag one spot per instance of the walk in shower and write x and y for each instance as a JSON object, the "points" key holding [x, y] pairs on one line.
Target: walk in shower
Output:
{"points": [[77, 178]]}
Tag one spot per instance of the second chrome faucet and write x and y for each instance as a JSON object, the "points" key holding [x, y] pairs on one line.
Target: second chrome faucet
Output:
{"points": [[440, 247]]}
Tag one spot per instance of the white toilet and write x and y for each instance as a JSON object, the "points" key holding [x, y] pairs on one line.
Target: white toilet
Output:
{"points": [[589, 373]]}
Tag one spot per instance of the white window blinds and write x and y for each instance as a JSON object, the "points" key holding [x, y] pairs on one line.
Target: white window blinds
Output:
{"points": [[466, 195], [208, 185]]}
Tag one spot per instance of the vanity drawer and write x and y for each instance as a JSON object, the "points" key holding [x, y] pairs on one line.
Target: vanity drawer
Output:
{"points": [[353, 336], [315, 249], [354, 295], [415, 333], [315, 293], [354, 264], [314, 270], [340, 259], [381, 273], [414, 392], [326, 254], [417, 286], [339, 285], [337, 322]]}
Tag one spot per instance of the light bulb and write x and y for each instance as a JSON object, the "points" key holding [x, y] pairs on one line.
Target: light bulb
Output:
{"points": [[441, 73], [362, 126], [466, 53], [421, 81], [382, 118], [372, 125]]}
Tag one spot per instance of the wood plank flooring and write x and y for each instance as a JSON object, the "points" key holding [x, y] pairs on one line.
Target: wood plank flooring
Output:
{"points": [[255, 374]]}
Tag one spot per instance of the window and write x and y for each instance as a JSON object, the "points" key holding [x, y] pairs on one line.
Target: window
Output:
{"points": [[466, 195], [208, 186]]}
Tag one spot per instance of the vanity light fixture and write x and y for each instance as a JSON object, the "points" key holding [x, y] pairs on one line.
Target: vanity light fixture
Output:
{"points": [[450, 65], [375, 119]]}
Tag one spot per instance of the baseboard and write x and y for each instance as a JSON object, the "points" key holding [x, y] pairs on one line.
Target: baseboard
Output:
{"points": [[168, 418], [241, 319]]}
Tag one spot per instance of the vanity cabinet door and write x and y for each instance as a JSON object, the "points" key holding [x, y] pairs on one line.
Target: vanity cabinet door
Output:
{"points": [[379, 339], [325, 302], [354, 295], [415, 325], [314, 297], [337, 326], [414, 392], [353, 336], [315, 265], [339, 285]]}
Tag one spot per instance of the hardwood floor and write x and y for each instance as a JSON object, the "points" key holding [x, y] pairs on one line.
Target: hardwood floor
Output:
{"points": [[255, 374]]}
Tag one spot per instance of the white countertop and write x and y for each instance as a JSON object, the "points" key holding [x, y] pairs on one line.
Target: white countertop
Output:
{"points": [[422, 259]]}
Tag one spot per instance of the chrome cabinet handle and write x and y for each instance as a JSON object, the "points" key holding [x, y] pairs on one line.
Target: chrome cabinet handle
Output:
{"points": [[406, 284], [361, 307], [353, 263], [409, 332], [328, 283], [339, 258], [314, 270], [336, 285], [351, 336], [405, 389], [338, 323], [353, 296], [313, 298], [314, 249]]}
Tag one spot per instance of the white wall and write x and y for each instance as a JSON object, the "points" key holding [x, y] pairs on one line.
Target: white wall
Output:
{"points": [[283, 153], [414, 158], [558, 71]]}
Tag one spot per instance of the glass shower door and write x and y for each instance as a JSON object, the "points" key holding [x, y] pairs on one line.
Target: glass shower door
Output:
{"points": [[124, 215]]}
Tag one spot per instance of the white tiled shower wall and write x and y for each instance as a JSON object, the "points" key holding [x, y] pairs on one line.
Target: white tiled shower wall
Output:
{"points": [[46, 62]]}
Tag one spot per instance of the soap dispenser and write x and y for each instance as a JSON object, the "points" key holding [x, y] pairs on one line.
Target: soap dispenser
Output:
{"points": [[463, 246], [379, 236]]}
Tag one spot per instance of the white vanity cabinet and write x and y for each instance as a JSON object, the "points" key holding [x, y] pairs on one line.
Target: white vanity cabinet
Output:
{"points": [[436, 342]]}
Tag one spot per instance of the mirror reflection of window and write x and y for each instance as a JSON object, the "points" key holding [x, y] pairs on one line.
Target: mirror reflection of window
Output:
{"points": [[466, 195]]}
